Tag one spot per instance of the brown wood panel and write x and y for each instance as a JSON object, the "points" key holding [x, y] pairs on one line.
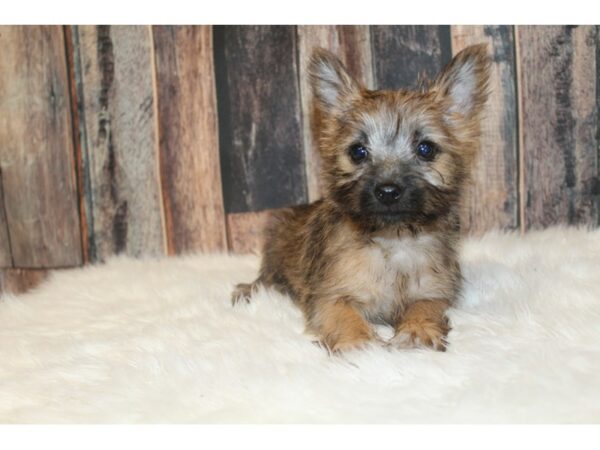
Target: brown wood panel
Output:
{"points": [[120, 140], [189, 141], [19, 281], [403, 53], [559, 124], [5, 254], [245, 231], [492, 200], [352, 44], [72, 63], [262, 159], [36, 155]]}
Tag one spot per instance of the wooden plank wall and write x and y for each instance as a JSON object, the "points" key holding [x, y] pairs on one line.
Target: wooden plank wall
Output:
{"points": [[166, 140], [559, 125]]}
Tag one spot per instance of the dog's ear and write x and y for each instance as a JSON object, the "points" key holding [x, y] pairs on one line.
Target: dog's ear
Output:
{"points": [[332, 85], [463, 83]]}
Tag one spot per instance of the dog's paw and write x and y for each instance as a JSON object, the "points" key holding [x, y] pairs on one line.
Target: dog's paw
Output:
{"points": [[420, 335], [242, 292], [341, 344]]}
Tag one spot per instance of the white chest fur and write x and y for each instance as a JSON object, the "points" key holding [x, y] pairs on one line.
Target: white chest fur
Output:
{"points": [[390, 273]]}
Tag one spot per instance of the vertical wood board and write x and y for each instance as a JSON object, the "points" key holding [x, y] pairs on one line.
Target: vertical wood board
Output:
{"points": [[120, 147], [403, 53], [262, 160], [492, 200], [189, 142], [559, 124], [36, 151], [5, 253]]}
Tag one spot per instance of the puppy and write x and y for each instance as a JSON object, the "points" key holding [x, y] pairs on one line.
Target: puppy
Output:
{"points": [[381, 245]]}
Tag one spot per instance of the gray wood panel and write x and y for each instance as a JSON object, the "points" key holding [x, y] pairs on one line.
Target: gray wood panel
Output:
{"points": [[260, 132], [559, 124], [402, 53], [120, 140]]}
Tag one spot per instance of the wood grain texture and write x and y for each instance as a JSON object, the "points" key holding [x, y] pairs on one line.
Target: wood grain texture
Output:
{"points": [[559, 124], [5, 253], [245, 231], [262, 159], [189, 141], [352, 44], [72, 63], [403, 53], [120, 140], [492, 200], [19, 281], [36, 155]]}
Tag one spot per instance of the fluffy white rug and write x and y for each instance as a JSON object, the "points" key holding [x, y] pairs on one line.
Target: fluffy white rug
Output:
{"points": [[158, 341]]}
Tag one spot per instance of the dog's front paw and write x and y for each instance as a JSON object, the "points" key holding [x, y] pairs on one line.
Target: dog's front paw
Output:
{"points": [[242, 292], [346, 344], [420, 334]]}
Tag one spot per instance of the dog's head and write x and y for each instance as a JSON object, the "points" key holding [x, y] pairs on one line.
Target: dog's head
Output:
{"points": [[394, 157]]}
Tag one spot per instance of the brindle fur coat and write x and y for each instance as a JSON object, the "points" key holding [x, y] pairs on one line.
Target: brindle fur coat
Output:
{"points": [[362, 255]]}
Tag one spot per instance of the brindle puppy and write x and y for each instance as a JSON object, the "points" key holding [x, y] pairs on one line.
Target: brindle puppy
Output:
{"points": [[381, 246]]}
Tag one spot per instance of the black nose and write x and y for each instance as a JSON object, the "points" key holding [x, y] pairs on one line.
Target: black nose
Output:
{"points": [[388, 194]]}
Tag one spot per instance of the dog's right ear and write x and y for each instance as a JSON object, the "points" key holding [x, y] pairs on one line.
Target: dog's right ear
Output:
{"points": [[332, 85]]}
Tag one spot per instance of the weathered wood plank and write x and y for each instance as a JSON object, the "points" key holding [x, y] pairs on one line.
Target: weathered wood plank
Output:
{"points": [[402, 53], [492, 199], [189, 141], [19, 281], [120, 140], [559, 124], [36, 155], [245, 231], [72, 63], [5, 254], [262, 159], [352, 44]]}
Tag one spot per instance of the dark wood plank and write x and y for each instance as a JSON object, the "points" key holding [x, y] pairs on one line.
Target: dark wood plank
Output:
{"points": [[559, 124], [245, 231], [120, 140], [352, 44], [19, 281], [5, 253], [492, 200], [38, 176], [402, 53], [595, 185], [189, 141], [262, 159]]}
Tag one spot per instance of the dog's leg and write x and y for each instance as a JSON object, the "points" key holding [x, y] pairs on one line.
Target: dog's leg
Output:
{"points": [[423, 324], [340, 325]]}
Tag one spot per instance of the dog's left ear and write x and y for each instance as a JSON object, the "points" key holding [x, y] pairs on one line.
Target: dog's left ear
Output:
{"points": [[463, 83]]}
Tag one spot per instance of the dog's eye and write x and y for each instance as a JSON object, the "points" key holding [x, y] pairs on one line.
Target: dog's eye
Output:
{"points": [[426, 150], [358, 153]]}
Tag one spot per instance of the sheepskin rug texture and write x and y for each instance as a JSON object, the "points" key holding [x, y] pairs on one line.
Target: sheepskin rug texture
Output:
{"points": [[158, 341]]}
